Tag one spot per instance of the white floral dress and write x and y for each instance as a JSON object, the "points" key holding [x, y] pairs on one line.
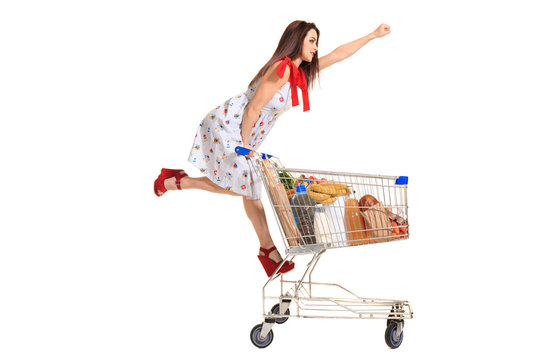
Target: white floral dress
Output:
{"points": [[219, 133]]}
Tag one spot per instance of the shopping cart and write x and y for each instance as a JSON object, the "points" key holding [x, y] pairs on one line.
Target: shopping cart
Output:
{"points": [[320, 210]]}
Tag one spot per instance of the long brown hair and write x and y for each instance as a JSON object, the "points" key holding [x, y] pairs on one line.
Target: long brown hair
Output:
{"points": [[290, 45]]}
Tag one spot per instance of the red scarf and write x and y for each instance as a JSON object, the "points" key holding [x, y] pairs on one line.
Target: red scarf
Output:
{"points": [[297, 80]]}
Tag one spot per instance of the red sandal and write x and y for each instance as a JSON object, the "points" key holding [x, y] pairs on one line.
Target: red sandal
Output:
{"points": [[270, 265], [165, 174]]}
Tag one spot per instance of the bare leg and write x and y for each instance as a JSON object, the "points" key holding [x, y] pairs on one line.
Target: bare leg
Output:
{"points": [[255, 213], [201, 183]]}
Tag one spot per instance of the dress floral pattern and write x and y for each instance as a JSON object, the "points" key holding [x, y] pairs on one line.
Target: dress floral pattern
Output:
{"points": [[219, 133]]}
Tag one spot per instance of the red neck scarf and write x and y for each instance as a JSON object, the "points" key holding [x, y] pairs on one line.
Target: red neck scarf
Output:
{"points": [[297, 80]]}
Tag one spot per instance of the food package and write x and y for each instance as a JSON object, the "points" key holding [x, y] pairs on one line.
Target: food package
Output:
{"points": [[282, 206], [377, 221]]}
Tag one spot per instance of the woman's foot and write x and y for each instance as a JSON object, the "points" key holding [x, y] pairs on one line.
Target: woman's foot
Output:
{"points": [[274, 255], [169, 179], [271, 260], [170, 184]]}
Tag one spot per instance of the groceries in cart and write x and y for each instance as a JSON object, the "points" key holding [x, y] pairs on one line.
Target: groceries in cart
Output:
{"points": [[281, 203], [369, 221], [304, 214], [336, 212]]}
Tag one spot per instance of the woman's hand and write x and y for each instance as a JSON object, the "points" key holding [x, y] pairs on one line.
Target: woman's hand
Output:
{"points": [[246, 146], [381, 31], [249, 154]]}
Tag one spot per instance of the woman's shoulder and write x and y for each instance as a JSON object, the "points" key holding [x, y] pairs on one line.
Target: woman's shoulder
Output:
{"points": [[280, 68], [278, 71]]}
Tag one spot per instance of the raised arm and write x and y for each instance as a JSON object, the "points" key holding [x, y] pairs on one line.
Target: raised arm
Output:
{"points": [[346, 50], [268, 86]]}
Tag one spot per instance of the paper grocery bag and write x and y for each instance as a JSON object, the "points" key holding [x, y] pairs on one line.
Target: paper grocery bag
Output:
{"points": [[280, 201], [376, 219]]}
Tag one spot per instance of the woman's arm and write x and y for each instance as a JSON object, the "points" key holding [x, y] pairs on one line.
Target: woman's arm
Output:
{"points": [[346, 50], [268, 86]]}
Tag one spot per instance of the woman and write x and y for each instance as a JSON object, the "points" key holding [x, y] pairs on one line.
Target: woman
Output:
{"points": [[246, 119]]}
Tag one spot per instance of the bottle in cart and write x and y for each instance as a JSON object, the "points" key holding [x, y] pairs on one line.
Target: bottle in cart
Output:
{"points": [[321, 226], [303, 209], [354, 223]]}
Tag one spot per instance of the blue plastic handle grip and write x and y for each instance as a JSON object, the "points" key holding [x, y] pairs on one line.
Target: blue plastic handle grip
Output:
{"points": [[402, 180], [242, 150]]}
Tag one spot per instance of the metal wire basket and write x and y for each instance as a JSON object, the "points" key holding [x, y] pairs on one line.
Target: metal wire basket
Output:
{"points": [[345, 209]]}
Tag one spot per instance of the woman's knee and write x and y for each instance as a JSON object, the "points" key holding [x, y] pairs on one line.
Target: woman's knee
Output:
{"points": [[257, 202], [252, 206]]}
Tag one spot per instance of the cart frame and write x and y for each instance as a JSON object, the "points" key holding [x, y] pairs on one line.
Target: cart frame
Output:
{"points": [[304, 293]]}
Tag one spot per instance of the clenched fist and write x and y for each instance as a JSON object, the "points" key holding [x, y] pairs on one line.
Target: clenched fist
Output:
{"points": [[381, 31]]}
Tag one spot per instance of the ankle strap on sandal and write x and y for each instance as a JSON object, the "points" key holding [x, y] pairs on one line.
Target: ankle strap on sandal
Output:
{"points": [[267, 251], [178, 176]]}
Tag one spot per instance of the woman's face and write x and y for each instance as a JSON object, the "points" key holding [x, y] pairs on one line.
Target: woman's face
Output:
{"points": [[310, 45]]}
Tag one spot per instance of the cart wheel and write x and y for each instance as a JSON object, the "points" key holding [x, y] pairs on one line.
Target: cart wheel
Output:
{"points": [[256, 339], [390, 336], [275, 311]]}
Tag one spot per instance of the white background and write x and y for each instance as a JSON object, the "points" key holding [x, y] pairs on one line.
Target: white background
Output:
{"points": [[98, 96]]}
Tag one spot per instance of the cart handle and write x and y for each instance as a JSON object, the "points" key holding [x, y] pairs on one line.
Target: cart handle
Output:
{"points": [[402, 180], [244, 151]]}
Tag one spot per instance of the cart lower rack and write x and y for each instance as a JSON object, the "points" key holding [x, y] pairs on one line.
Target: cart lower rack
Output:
{"points": [[321, 210]]}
